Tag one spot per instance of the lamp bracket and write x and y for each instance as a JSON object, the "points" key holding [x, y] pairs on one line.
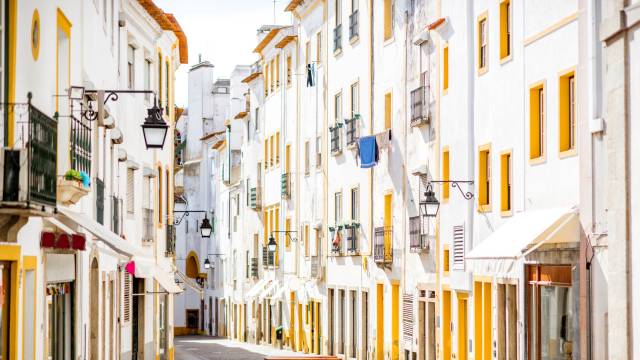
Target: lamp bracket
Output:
{"points": [[185, 213], [112, 95], [468, 195], [288, 233]]}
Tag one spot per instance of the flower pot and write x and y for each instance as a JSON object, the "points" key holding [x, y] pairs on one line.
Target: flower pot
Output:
{"points": [[70, 191]]}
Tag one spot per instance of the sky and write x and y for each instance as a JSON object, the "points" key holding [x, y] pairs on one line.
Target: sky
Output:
{"points": [[222, 31]]}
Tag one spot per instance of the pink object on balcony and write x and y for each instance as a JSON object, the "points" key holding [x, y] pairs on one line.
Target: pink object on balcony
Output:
{"points": [[130, 268]]}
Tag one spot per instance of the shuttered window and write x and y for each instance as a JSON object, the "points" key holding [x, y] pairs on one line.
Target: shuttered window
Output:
{"points": [[127, 297], [458, 247], [130, 189], [407, 317]]}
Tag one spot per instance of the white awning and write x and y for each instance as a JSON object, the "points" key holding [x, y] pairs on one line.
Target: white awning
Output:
{"points": [[148, 269], [267, 290], [190, 282], [527, 231], [256, 288], [112, 240], [308, 291], [278, 294]]}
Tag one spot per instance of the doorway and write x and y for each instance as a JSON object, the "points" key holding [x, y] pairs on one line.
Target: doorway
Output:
{"points": [[137, 323], [94, 310], [462, 326], [380, 322]]}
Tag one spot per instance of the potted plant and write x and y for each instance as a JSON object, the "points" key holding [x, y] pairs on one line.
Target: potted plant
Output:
{"points": [[72, 186]]}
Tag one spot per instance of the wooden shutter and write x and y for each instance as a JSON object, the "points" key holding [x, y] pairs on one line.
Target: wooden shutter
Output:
{"points": [[127, 297], [458, 247], [407, 316]]}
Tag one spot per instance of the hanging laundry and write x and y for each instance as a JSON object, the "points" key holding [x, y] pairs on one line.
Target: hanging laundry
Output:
{"points": [[383, 139], [311, 75], [368, 151]]}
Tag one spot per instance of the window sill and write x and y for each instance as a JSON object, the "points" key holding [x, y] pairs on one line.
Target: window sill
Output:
{"points": [[445, 91], [337, 53], [537, 161], [388, 41], [445, 273], [506, 213], [486, 208], [506, 59], [567, 153], [483, 70], [354, 40]]}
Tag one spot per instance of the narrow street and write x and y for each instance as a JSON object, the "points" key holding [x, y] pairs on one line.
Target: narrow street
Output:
{"points": [[211, 348]]}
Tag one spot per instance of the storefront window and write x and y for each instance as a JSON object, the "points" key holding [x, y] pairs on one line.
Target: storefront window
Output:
{"points": [[5, 294]]}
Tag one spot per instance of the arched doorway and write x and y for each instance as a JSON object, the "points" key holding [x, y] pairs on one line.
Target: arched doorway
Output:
{"points": [[192, 269], [94, 309]]}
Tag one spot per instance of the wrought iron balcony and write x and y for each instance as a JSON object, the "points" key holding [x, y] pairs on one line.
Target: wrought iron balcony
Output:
{"points": [[147, 225], [170, 248], [254, 267], [383, 245], [351, 231], [352, 133], [337, 38], [255, 198], [418, 241], [420, 113], [336, 144], [286, 186], [29, 174], [353, 25], [80, 149]]}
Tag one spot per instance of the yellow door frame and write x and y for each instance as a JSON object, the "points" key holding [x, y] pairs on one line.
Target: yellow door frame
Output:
{"points": [[380, 321], [462, 326], [12, 254], [30, 263]]}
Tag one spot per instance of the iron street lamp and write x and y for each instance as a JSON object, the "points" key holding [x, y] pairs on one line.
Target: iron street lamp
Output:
{"points": [[272, 245], [430, 204], [154, 128], [205, 228], [207, 262]]}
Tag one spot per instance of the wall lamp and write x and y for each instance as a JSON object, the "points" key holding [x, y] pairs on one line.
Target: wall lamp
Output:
{"points": [[207, 262], [205, 228], [430, 204]]}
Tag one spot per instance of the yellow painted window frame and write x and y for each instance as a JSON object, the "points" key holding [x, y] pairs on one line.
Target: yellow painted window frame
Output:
{"points": [[506, 178], [289, 71], [277, 145], [565, 126], [287, 228], [446, 172], [445, 68], [483, 18], [484, 177], [388, 110], [277, 71], [62, 23], [319, 47], [537, 123], [388, 20], [506, 33], [446, 260]]}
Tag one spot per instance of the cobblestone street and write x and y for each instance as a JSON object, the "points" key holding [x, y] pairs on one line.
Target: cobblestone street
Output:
{"points": [[204, 347]]}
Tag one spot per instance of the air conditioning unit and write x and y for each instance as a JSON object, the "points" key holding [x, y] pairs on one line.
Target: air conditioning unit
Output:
{"points": [[14, 182]]}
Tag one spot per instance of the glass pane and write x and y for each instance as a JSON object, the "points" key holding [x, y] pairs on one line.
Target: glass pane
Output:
{"points": [[556, 315]]}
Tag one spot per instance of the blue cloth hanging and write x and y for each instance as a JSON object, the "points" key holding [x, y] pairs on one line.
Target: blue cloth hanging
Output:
{"points": [[368, 151]]}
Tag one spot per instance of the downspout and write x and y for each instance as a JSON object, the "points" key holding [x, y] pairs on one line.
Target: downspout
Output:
{"points": [[404, 136], [371, 113], [470, 120]]}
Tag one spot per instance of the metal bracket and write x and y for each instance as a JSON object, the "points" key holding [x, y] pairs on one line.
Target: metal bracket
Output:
{"points": [[456, 184]]}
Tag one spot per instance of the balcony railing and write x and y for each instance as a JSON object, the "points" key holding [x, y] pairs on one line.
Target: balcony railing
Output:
{"points": [[383, 245], [336, 146], [420, 106], [417, 240], [352, 130], [286, 186], [30, 173], [147, 225], [116, 215], [80, 149], [170, 248], [337, 38], [254, 267], [351, 232], [353, 25], [255, 198], [100, 201]]}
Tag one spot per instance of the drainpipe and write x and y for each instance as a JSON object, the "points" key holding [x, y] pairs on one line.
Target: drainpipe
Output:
{"points": [[470, 120], [404, 136]]}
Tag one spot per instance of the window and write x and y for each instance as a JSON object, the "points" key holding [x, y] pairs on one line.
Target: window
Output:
{"points": [[168, 186], [319, 152], [353, 322], [445, 173], [166, 87], [387, 110], [130, 191], [306, 157], [482, 44], [287, 228], [278, 71], [272, 153], [131, 65], [341, 320], [483, 328], [266, 153], [307, 52], [505, 29], [338, 12], [337, 108], [567, 128], [536, 122], [337, 207], [505, 182], [159, 192], [147, 76], [306, 240], [272, 81], [319, 47], [484, 176], [160, 78], [445, 67], [355, 204], [446, 265], [266, 79], [257, 119], [355, 99], [278, 148], [289, 74], [388, 19]]}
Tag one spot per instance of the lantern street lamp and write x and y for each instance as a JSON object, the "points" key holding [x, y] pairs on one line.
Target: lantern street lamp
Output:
{"points": [[205, 228], [272, 245], [207, 264], [430, 203], [154, 128]]}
